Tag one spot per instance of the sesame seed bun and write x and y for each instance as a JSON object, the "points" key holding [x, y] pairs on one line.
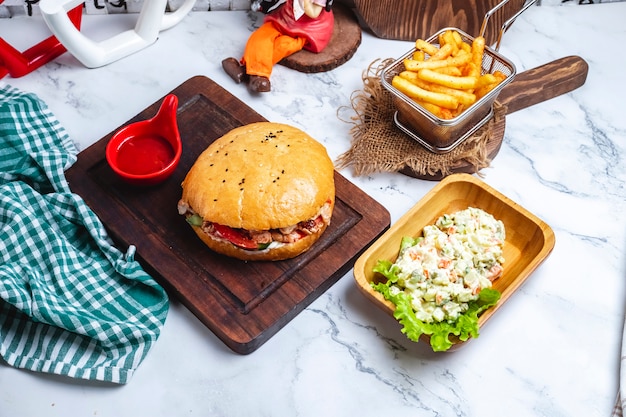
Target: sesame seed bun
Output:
{"points": [[260, 177]]}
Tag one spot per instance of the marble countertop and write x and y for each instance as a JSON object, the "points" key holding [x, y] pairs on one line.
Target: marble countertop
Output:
{"points": [[553, 349]]}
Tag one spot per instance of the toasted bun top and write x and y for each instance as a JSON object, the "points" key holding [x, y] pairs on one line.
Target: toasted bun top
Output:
{"points": [[260, 176]]}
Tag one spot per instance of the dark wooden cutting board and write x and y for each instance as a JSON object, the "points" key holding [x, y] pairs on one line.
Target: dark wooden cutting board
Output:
{"points": [[243, 303]]}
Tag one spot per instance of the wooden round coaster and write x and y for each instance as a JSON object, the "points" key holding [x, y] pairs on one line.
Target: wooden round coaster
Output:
{"points": [[343, 44]]}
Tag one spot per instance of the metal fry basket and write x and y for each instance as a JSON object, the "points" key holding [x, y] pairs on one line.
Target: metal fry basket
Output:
{"points": [[443, 135]]}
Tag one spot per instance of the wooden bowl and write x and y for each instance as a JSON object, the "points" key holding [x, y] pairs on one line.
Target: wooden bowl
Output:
{"points": [[528, 241]]}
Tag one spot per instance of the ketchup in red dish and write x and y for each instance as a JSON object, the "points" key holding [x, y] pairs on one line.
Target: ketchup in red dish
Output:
{"points": [[146, 154]]}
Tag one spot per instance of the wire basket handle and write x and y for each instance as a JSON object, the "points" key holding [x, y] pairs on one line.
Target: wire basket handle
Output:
{"points": [[488, 15], [509, 22]]}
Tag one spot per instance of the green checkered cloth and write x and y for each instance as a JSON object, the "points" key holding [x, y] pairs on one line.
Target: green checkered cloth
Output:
{"points": [[70, 302]]}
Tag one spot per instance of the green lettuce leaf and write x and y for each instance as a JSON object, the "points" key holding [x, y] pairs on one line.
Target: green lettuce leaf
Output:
{"points": [[464, 327]]}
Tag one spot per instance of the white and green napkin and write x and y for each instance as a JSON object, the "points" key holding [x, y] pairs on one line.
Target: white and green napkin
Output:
{"points": [[70, 302]]}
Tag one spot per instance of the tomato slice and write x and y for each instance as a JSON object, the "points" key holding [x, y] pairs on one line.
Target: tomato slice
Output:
{"points": [[235, 237]]}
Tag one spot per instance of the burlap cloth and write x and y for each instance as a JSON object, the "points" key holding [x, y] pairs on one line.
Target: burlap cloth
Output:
{"points": [[379, 146]]}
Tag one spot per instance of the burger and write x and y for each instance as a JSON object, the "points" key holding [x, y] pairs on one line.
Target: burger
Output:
{"points": [[262, 192]]}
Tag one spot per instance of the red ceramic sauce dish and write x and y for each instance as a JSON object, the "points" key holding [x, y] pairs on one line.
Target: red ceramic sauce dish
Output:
{"points": [[147, 152]]}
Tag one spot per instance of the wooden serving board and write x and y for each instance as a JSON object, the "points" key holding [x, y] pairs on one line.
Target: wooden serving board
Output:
{"points": [[528, 88], [243, 303]]}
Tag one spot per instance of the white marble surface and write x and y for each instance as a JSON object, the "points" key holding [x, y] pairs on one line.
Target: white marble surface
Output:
{"points": [[553, 350]]}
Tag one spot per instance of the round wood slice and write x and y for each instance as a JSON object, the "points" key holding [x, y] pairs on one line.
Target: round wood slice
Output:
{"points": [[343, 44]]}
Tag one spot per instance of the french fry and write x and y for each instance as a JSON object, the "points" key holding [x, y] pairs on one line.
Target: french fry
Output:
{"points": [[482, 91], [447, 79], [459, 110], [448, 39], [415, 92], [458, 39], [462, 96], [419, 55], [444, 52], [449, 70], [459, 83], [500, 76], [441, 39], [410, 76], [438, 111], [429, 48], [470, 69], [478, 50], [454, 61], [466, 47], [486, 79]]}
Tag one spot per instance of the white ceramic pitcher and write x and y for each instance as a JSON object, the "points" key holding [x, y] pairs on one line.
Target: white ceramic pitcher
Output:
{"points": [[152, 19]]}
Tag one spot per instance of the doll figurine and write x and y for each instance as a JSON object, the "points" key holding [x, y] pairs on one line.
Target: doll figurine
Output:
{"points": [[264, 6], [287, 29]]}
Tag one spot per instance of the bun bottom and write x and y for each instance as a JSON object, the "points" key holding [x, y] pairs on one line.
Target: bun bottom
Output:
{"points": [[287, 251]]}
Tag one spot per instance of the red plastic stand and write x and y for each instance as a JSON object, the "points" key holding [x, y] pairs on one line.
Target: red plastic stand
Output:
{"points": [[18, 64]]}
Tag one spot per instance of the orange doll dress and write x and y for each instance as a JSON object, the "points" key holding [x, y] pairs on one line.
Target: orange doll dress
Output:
{"points": [[281, 35]]}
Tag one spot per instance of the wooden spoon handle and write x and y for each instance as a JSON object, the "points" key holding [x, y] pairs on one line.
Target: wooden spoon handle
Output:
{"points": [[544, 82]]}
